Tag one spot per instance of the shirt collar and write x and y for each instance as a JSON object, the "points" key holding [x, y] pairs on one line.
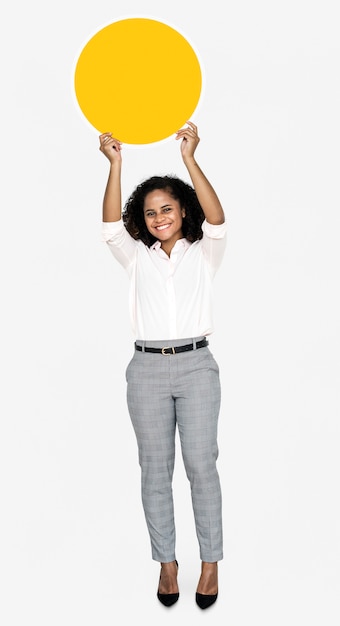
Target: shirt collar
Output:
{"points": [[179, 243]]}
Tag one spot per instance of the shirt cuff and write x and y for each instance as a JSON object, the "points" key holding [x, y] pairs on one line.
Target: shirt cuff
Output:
{"points": [[214, 231], [110, 229]]}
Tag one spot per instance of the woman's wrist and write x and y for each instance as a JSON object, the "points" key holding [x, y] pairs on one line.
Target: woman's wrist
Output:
{"points": [[116, 165], [190, 161]]}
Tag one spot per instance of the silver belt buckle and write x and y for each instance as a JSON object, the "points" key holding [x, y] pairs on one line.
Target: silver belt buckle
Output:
{"points": [[168, 348]]}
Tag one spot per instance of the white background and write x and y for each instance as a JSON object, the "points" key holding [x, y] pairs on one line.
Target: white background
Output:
{"points": [[74, 546]]}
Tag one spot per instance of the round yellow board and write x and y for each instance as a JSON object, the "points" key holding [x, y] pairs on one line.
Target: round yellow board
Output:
{"points": [[139, 79]]}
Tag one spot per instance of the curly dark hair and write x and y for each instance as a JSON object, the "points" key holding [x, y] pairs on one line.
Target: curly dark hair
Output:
{"points": [[133, 212]]}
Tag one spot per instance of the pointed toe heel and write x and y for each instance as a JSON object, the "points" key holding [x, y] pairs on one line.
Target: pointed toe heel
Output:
{"points": [[168, 599], [204, 601]]}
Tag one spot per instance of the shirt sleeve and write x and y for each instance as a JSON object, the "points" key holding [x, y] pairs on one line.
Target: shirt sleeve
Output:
{"points": [[120, 242], [214, 243]]}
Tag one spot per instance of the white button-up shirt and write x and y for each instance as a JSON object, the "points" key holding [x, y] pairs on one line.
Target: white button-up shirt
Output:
{"points": [[170, 297]]}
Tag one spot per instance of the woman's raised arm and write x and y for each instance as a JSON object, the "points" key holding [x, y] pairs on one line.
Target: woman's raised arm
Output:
{"points": [[112, 202], [206, 194]]}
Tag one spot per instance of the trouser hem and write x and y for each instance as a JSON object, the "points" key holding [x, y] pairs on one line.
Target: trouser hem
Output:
{"points": [[208, 558], [164, 559]]}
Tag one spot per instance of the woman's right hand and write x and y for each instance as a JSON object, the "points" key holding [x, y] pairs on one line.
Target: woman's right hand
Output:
{"points": [[110, 147]]}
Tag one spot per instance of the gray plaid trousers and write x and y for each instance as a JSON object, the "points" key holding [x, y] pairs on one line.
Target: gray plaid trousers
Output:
{"points": [[183, 390]]}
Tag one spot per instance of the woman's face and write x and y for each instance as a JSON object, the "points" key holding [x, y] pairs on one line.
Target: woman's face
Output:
{"points": [[163, 217]]}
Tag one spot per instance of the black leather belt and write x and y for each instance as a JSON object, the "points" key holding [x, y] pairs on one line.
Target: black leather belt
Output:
{"points": [[174, 350]]}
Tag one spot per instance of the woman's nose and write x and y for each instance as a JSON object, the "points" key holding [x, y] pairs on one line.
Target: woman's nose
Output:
{"points": [[159, 217]]}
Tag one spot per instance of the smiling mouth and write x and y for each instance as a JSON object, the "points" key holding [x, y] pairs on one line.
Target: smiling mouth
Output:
{"points": [[163, 227]]}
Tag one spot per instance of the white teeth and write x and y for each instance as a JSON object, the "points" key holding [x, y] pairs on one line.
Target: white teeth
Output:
{"points": [[162, 227]]}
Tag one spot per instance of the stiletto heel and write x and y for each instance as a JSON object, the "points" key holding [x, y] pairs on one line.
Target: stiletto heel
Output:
{"points": [[168, 599]]}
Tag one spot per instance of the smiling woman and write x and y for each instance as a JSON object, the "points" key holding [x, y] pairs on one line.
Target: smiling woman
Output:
{"points": [[131, 67], [163, 218], [171, 240], [177, 193]]}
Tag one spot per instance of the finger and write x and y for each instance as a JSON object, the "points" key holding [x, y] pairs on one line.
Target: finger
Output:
{"points": [[185, 132], [103, 139], [192, 126], [192, 132], [110, 142], [104, 136]]}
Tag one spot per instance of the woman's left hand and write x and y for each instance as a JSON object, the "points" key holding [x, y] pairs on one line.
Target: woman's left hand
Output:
{"points": [[190, 140]]}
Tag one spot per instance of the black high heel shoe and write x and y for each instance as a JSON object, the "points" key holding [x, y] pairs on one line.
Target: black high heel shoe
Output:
{"points": [[204, 601], [168, 599]]}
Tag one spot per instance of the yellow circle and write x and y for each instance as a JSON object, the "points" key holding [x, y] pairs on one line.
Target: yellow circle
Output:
{"points": [[138, 79]]}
